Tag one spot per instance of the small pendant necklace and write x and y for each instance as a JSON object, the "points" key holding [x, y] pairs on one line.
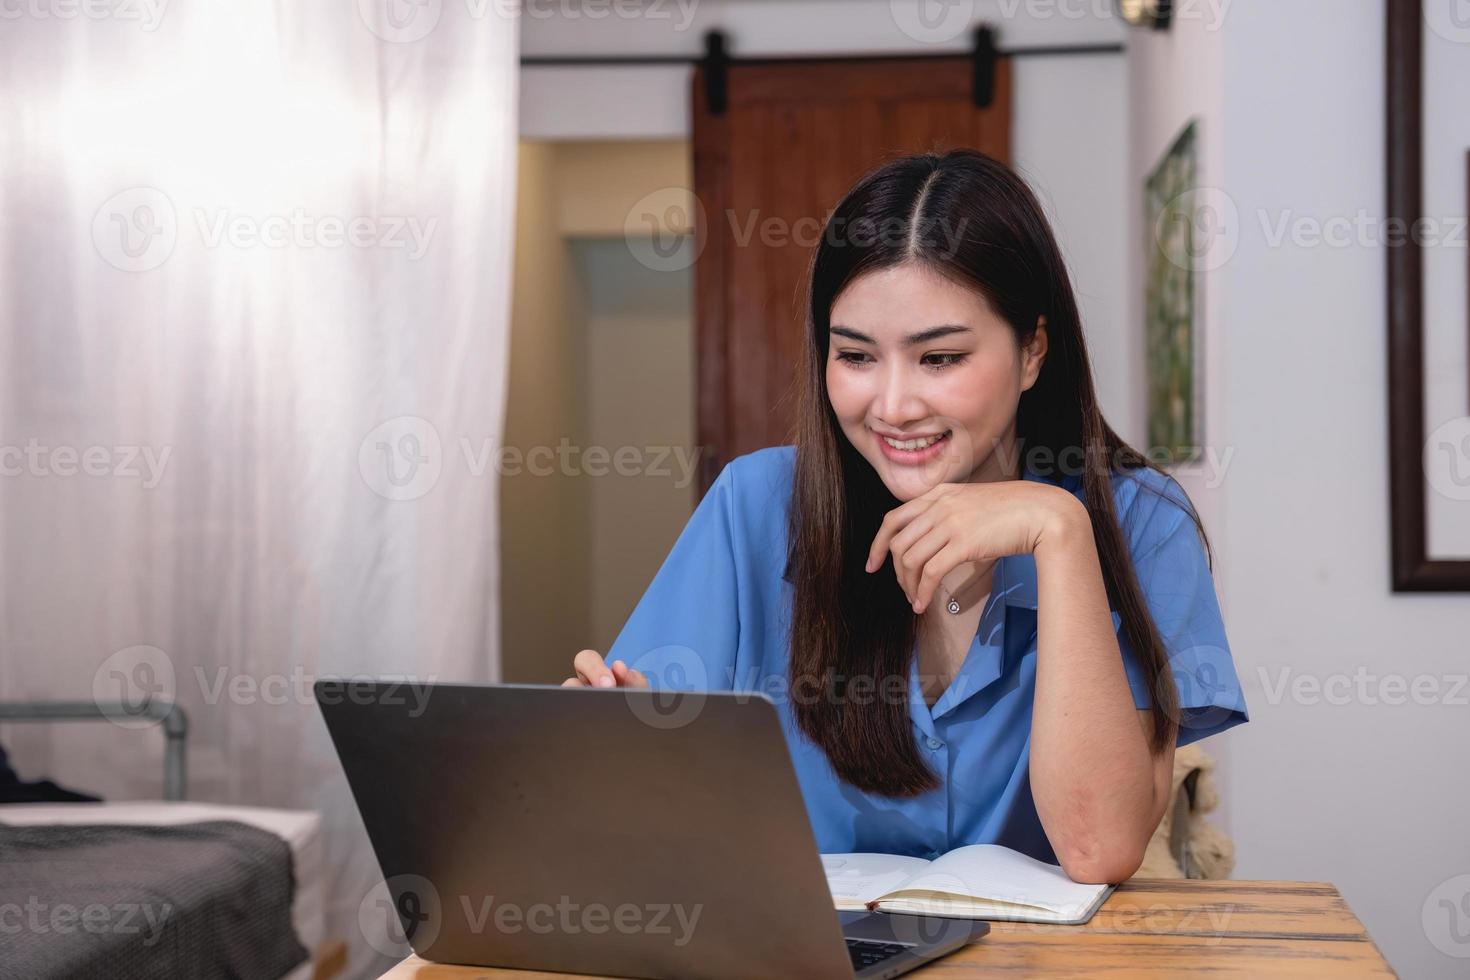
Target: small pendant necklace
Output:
{"points": [[953, 605]]}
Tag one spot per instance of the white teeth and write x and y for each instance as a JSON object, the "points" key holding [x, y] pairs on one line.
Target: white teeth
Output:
{"points": [[912, 444]]}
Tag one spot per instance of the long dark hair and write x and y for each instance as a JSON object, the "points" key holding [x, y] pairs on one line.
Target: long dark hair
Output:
{"points": [[970, 218]]}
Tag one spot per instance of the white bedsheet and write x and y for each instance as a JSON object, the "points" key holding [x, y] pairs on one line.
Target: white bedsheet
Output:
{"points": [[300, 829]]}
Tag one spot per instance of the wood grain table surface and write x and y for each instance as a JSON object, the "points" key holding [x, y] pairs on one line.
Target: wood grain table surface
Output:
{"points": [[1147, 928]]}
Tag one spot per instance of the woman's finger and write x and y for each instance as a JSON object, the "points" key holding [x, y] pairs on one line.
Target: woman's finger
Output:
{"points": [[628, 677], [945, 561], [915, 557], [893, 522], [592, 671], [904, 565]]}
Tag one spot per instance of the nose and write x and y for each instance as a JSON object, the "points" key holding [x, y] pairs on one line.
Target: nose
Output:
{"points": [[897, 402]]}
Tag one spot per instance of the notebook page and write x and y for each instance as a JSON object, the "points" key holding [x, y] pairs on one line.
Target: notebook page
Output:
{"points": [[1001, 875], [856, 879]]}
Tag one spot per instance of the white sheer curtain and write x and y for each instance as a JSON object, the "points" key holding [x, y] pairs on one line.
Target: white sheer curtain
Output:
{"points": [[254, 290]]}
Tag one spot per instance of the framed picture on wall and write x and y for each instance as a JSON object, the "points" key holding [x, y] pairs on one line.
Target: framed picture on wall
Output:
{"points": [[1170, 310], [1428, 428]]}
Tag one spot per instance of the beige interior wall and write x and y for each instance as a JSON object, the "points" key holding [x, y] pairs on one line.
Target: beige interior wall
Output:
{"points": [[544, 575], [579, 549], [637, 517], [608, 187]]}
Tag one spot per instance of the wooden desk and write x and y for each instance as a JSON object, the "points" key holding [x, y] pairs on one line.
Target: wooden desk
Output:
{"points": [[1145, 929]]}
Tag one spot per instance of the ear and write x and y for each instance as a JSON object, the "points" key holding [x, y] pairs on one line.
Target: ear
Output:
{"points": [[1033, 355]]}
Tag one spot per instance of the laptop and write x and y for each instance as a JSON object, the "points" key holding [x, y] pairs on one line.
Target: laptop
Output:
{"points": [[627, 832]]}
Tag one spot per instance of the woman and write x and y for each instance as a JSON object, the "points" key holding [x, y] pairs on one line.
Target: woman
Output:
{"points": [[983, 617]]}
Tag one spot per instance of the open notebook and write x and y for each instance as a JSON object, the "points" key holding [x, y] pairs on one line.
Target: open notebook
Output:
{"points": [[979, 881]]}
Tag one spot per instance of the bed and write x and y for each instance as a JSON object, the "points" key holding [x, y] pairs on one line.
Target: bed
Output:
{"points": [[73, 849], [301, 831]]}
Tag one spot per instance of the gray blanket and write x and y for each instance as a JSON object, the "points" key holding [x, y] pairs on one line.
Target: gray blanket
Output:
{"points": [[196, 900]]}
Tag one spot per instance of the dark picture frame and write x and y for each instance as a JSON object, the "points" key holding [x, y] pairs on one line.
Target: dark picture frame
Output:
{"points": [[1412, 568]]}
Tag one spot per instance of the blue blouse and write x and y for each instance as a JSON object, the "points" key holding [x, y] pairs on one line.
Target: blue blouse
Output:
{"points": [[716, 617]]}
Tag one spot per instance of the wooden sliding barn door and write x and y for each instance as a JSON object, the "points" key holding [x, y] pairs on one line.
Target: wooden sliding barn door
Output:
{"points": [[767, 171]]}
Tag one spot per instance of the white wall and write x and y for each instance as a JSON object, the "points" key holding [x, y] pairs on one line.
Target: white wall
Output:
{"points": [[1371, 796], [1068, 139]]}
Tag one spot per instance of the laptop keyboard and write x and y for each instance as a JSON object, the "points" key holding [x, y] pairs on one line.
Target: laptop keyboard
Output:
{"points": [[866, 952]]}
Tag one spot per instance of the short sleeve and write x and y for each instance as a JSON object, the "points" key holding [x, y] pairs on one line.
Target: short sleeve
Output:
{"points": [[1174, 574], [684, 633]]}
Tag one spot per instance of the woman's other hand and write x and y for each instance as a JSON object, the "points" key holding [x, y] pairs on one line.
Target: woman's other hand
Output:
{"points": [[590, 671]]}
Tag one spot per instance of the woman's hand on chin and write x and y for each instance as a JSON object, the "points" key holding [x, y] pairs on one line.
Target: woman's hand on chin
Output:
{"points": [[590, 671], [955, 523]]}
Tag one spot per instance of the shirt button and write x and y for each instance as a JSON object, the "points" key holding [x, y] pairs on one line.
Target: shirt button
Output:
{"points": [[935, 743]]}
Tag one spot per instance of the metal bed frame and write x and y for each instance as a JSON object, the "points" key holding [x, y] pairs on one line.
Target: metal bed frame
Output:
{"points": [[175, 727]]}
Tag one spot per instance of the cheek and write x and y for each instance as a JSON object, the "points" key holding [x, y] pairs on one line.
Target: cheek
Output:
{"points": [[979, 392], [845, 394]]}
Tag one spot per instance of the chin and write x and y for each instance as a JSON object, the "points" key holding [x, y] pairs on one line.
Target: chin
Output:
{"points": [[906, 484], [912, 490]]}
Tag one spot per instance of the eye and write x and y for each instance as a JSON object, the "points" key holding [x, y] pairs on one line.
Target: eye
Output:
{"points": [[852, 356], [941, 361]]}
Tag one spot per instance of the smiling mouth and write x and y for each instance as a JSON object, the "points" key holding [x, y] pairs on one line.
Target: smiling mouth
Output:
{"points": [[915, 444]]}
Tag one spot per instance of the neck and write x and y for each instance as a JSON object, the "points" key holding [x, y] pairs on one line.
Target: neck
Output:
{"points": [[1002, 463]]}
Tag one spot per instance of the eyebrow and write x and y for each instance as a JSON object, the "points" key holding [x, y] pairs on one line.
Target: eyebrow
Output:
{"points": [[922, 337]]}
